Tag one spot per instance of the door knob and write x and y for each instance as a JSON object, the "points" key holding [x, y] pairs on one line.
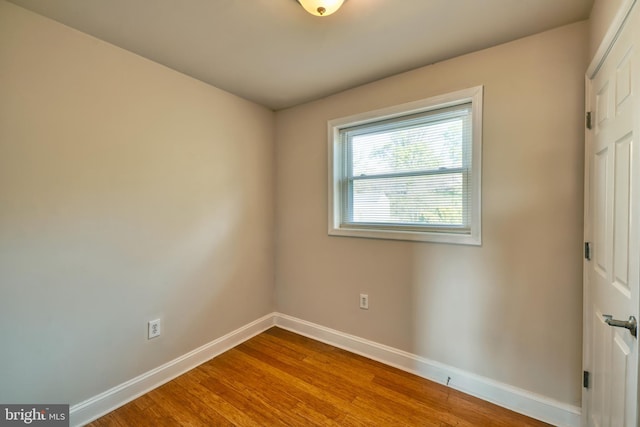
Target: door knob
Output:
{"points": [[631, 324]]}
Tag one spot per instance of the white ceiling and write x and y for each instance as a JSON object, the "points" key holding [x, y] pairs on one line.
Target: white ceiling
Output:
{"points": [[276, 54]]}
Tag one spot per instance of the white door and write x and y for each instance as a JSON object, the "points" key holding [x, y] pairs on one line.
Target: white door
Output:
{"points": [[612, 224]]}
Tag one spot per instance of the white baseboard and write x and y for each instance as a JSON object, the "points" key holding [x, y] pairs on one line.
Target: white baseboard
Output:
{"points": [[518, 400], [99, 405]]}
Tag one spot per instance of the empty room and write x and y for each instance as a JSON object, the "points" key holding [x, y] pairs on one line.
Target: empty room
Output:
{"points": [[319, 212]]}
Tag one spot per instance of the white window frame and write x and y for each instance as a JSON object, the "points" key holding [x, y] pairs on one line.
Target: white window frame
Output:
{"points": [[337, 164]]}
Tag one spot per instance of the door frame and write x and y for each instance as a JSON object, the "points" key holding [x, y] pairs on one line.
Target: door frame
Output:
{"points": [[596, 63]]}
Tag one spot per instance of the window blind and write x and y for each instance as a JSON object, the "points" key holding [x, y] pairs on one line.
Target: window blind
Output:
{"points": [[409, 172]]}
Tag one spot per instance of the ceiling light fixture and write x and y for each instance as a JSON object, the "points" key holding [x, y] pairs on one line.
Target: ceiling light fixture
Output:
{"points": [[321, 7]]}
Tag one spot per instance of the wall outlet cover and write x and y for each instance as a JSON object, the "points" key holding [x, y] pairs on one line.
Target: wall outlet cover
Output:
{"points": [[154, 329]]}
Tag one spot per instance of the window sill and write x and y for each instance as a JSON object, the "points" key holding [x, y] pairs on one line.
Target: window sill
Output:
{"points": [[473, 239]]}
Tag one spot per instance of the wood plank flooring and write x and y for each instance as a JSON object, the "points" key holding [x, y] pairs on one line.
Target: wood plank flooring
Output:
{"points": [[279, 378]]}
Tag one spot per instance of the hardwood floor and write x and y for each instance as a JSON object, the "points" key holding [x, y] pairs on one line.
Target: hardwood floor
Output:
{"points": [[280, 378]]}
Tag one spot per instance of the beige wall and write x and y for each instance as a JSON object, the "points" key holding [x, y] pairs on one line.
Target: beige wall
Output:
{"points": [[509, 310], [127, 192], [602, 15]]}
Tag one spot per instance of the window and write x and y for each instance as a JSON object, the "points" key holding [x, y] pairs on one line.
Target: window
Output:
{"points": [[410, 172]]}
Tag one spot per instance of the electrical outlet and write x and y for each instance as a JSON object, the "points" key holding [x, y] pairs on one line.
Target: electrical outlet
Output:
{"points": [[364, 301], [154, 328]]}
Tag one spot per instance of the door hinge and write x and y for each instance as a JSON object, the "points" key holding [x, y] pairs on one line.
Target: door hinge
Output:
{"points": [[588, 120], [587, 251], [585, 379]]}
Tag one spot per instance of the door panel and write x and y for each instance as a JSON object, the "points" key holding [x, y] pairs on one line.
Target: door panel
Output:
{"points": [[620, 360], [599, 392], [622, 186], [612, 223]]}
